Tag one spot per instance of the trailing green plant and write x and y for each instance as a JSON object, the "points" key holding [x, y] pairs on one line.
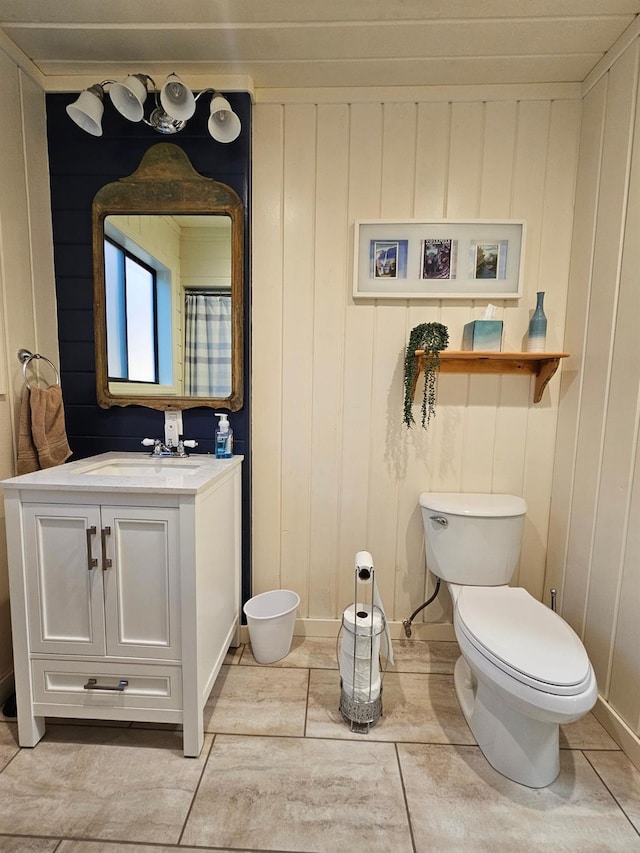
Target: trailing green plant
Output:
{"points": [[432, 338]]}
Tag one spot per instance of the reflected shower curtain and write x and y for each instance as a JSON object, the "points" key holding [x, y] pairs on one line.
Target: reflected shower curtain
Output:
{"points": [[207, 351]]}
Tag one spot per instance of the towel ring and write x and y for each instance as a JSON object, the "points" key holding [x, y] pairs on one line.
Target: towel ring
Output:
{"points": [[26, 357]]}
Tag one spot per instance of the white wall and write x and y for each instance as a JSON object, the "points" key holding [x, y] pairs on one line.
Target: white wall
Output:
{"points": [[334, 469], [595, 529], [27, 293]]}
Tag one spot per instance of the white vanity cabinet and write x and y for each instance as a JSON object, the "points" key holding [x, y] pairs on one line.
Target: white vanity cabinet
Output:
{"points": [[125, 591]]}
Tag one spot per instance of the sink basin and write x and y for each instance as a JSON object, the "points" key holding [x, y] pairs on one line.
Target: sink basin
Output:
{"points": [[126, 468]]}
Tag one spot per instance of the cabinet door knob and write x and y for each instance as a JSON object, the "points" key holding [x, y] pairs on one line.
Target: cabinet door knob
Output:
{"points": [[92, 562], [106, 562]]}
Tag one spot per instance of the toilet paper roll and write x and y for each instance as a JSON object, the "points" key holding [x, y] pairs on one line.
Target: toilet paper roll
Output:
{"points": [[359, 650], [363, 628], [360, 677]]}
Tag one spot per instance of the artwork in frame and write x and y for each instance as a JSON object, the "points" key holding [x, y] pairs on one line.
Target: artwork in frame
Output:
{"points": [[438, 259]]}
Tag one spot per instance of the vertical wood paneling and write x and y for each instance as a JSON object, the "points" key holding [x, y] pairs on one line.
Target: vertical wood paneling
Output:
{"points": [[619, 500], [297, 342], [555, 234], [619, 447], [350, 473], [266, 385], [365, 159], [596, 484], [597, 347], [27, 292], [397, 197], [624, 679], [432, 160], [587, 189], [415, 449], [331, 270]]}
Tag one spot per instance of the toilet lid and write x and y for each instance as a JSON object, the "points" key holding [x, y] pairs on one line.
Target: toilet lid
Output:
{"points": [[524, 638]]}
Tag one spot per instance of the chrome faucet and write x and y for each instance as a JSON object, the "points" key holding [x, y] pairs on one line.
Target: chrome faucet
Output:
{"points": [[173, 444], [162, 450]]}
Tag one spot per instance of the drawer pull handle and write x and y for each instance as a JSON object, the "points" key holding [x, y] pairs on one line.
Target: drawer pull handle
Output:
{"points": [[92, 684], [106, 562], [92, 562]]}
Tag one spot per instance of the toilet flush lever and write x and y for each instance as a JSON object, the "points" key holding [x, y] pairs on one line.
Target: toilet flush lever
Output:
{"points": [[439, 519]]}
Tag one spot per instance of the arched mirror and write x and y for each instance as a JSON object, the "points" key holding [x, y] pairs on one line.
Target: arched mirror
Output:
{"points": [[168, 285]]}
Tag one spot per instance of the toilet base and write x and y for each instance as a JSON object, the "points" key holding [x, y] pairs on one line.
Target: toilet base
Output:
{"points": [[519, 747]]}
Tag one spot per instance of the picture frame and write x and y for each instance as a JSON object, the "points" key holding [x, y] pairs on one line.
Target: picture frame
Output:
{"points": [[438, 259]]}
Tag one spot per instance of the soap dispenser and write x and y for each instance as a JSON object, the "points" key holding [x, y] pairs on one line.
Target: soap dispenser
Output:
{"points": [[224, 438]]}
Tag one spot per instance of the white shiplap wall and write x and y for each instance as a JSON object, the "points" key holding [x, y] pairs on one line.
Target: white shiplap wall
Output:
{"points": [[595, 530], [334, 469], [27, 290]]}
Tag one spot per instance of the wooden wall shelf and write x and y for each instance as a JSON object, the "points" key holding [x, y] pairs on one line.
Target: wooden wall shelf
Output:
{"points": [[540, 364]]}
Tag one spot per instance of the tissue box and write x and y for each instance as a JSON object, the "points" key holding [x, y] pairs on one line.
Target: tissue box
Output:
{"points": [[484, 335]]}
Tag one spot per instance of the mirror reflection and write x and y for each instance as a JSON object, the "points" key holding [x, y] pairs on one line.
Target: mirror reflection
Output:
{"points": [[168, 287], [168, 305]]}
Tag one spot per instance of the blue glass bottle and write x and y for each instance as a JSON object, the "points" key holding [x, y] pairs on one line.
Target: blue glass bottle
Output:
{"points": [[537, 337]]}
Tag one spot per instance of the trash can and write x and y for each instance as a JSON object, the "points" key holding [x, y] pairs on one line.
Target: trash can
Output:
{"points": [[271, 617]]}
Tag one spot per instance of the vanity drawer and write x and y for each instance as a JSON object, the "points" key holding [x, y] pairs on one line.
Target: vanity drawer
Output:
{"points": [[112, 685]]}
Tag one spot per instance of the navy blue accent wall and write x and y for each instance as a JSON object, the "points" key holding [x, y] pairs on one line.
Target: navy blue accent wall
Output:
{"points": [[80, 164]]}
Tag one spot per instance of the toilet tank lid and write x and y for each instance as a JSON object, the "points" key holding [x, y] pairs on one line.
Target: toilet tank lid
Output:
{"points": [[473, 504]]}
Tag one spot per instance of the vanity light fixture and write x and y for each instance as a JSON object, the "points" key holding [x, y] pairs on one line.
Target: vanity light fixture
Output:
{"points": [[173, 105]]}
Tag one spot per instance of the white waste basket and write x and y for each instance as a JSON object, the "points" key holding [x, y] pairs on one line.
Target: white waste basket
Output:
{"points": [[271, 617]]}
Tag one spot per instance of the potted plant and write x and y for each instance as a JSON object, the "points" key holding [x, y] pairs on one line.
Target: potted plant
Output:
{"points": [[432, 338]]}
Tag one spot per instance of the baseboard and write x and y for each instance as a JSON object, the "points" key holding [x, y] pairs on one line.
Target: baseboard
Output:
{"points": [[627, 740], [329, 628]]}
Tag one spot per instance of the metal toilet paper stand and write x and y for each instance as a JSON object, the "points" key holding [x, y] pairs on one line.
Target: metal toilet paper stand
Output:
{"points": [[362, 713]]}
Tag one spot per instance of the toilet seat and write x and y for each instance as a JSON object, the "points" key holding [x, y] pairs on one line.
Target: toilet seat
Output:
{"points": [[523, 638]]}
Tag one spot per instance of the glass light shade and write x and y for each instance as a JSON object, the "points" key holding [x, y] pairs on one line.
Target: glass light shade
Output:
{"points": [[86, 111], [177, 99], [129, 97], [224, 125]]}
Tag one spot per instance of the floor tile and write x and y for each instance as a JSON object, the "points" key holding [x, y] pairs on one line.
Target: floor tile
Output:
{"points": [[119, 784], [316, 652], [21, 844], [421, 656], [308, 796], [8, 742], [258, 700], [586, 733], [111, 847], [415, 707], [233, 655], [622, 779], [457, 801]]}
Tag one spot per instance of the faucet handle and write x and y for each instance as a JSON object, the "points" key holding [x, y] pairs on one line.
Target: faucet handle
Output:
{"points": [[190, 443], [148, 442]]}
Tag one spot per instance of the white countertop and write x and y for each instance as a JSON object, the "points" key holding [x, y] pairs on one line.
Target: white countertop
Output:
{"points": [[173, 475]]}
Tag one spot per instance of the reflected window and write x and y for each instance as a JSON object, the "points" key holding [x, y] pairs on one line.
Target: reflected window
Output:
{"points": [[132, 328]]}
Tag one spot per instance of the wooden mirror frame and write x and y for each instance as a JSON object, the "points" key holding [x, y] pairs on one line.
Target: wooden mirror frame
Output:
{"points": [[165, 182]]}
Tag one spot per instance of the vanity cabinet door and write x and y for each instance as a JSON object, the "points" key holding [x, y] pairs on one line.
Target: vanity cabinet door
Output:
{"points": [[63, 579], [103, 580], [141, 584]]}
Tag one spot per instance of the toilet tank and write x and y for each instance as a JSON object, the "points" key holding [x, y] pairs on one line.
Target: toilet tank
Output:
{"points": [[472, 539]]}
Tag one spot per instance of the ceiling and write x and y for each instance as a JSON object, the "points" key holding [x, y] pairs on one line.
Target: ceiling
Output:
{"points": [[67, 44]]}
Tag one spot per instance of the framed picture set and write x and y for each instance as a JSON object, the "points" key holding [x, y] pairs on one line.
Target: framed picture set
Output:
{"points": [[438, 259]]}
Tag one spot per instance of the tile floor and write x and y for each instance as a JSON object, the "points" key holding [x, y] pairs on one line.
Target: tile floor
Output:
{"points": [[281, 771]]}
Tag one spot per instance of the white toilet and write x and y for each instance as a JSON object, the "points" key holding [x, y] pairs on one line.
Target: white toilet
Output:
{"points": [[523, 670]]}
